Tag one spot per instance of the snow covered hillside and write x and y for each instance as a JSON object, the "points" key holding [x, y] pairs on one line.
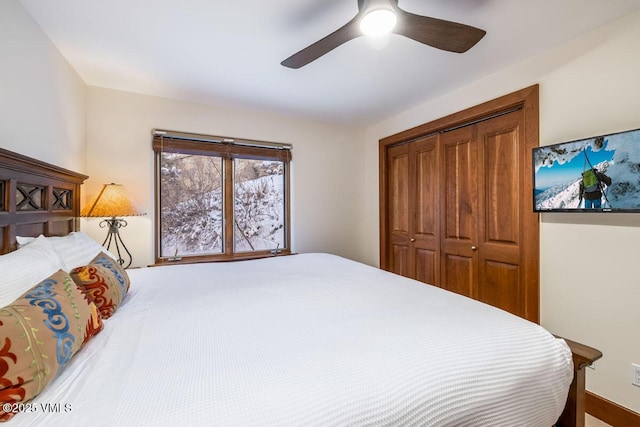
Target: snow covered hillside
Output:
{"points": [[193, 207]]}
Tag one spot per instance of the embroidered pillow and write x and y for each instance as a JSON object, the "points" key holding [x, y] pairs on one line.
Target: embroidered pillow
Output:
{"points": [[105, 281], [101, 286], [111, 264], [39, 333]]}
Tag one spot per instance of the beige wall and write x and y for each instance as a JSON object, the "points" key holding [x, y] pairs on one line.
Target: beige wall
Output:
{"points": [[588, 87], [327, 174], [42, 111]]}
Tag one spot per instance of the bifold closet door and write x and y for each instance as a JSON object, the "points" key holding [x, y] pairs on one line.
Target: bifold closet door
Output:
{"points": [[456, 203], [459, 211], [424, 241], [413, 216], [502, 264], [482, 200], [398, 214]]}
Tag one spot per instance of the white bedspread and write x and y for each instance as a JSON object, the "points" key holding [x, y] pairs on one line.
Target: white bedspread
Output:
{"points": [[305, 340]]}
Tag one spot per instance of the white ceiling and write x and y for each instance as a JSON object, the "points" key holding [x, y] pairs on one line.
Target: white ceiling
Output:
{"points": [[229, 52]]}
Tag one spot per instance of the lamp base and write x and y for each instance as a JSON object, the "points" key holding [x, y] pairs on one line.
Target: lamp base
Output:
{"points": [[114, 224]]}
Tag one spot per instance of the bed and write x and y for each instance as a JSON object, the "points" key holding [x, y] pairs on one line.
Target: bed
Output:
{"points": [[308, 339]]}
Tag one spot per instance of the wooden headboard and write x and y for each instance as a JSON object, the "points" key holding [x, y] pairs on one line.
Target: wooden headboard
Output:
{"points": [[36, 198]]}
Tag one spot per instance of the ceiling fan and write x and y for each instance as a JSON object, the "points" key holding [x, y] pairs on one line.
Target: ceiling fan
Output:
{"points": [[376, 17]]}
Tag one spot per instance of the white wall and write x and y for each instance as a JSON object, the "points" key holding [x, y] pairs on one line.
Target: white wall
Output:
{"points": [[588, 87], [327, 174], [41, 96]]}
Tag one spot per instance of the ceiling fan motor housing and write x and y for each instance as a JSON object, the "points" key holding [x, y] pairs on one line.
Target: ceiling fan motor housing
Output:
{"points": [[368, 5]]}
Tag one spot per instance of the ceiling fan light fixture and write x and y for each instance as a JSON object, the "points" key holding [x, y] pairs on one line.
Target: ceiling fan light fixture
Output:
{"points": [[379, 17], [378, 22]]}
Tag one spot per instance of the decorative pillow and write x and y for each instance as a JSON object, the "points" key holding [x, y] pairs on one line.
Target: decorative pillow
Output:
{"points": [[101, 286], [75, 249], [105, 281], [119, 271], [26, 266], [39, 333]]}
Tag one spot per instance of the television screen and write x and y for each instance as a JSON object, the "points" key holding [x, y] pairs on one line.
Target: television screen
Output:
{"points": [[599, 174]]}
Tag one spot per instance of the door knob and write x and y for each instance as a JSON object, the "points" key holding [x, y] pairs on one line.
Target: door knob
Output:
{"points": [[473, 248], [413, 240]]}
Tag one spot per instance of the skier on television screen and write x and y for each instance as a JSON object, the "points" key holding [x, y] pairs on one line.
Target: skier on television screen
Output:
{"points": [[592, 185]]}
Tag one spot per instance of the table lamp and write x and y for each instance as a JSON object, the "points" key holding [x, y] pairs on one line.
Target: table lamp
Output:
{"points": [[113, 201]]}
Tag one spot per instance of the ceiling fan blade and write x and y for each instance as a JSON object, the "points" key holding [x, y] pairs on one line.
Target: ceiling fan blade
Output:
{"points": [[438, 33], [347, 32]]}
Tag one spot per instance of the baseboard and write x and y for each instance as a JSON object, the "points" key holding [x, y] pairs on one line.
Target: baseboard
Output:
{"points": [[610, 412]]}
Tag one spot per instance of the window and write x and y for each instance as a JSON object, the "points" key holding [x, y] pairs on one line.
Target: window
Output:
{"points": [[218, 198]]}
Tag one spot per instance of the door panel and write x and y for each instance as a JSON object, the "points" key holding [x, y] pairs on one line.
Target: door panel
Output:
{"points": [[425, 218], [399, 185], [399, 217], [500, 286], [459, 216], [500, 173], [500, 169], [426, 189], [400, 257], [459, 274], [427, 266], [459, 179]]}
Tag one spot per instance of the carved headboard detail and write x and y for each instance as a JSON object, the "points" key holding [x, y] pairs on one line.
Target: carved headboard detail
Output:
{"points": [[36, 198]]}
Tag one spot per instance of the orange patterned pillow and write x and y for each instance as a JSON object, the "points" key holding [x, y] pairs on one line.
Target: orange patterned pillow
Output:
{"points": [[118, 271], [101, 285], [39, 333], [105, 281]]}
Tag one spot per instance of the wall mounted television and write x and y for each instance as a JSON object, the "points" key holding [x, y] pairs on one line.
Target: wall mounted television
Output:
{"points": [[598, 174]]}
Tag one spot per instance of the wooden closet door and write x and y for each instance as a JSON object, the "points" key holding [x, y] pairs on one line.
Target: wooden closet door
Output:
{"points": [[413, 218], [483, 197], [482, 238], [459, 211], [501, 213], [398, 215], [424, 224]]}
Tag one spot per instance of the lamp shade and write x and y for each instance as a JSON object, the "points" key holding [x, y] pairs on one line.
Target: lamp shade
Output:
{"points": [[113, 200]]}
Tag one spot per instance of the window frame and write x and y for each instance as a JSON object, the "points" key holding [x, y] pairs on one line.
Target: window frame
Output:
{"points": [[228, 149]]}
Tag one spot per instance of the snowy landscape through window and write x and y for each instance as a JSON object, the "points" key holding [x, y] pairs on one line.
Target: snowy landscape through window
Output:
{"points": [[220, 200]]}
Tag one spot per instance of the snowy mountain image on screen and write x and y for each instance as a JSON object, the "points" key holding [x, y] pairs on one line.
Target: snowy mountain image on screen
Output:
{"points": [[558, 172]]}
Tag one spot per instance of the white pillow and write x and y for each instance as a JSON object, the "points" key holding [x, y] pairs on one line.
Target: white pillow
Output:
{"points": [[76, 249], [26, 267]]}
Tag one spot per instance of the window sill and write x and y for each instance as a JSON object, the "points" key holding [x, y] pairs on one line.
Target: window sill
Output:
{"points": [[219, 258]]}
